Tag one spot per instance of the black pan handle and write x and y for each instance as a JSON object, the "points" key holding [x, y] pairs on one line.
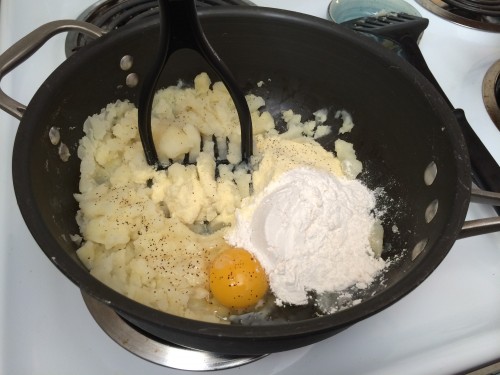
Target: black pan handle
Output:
{"points": [[27, 46]]}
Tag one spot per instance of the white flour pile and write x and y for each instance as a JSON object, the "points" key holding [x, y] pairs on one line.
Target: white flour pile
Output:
{"points": [[311, 231]]}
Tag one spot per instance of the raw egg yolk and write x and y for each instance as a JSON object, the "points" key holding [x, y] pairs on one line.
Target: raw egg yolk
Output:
{"points": [[237, 280]]}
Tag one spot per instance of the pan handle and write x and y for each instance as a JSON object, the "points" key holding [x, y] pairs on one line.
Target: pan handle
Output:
{"points": [[482, 226], [27, 46]]}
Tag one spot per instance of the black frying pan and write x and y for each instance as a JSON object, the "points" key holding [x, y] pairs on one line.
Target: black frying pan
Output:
{"points": [[403, 129]]}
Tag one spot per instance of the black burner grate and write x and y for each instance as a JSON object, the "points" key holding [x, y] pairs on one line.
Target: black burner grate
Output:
{"points": [[477, 14], [476, 7], [113, 14]]}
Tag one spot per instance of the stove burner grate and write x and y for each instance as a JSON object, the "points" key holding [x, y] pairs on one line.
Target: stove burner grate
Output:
{"points": [[481, 7], [476, 14], [113, 14]]}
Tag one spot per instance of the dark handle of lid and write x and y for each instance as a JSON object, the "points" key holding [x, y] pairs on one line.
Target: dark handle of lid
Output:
{"points": [[485, 169]]}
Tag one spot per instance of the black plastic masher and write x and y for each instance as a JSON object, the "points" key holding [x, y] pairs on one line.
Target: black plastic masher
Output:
{"points": [[181, 29]]}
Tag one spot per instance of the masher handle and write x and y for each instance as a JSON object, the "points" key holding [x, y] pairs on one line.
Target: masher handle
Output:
{"points": [[180, 28]]}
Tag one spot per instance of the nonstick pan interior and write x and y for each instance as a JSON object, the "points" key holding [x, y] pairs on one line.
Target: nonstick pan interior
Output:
{"points": [[403, 129]]}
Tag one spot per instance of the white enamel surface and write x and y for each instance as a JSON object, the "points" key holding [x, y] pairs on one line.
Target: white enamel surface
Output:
{"points": [[449, 324]]}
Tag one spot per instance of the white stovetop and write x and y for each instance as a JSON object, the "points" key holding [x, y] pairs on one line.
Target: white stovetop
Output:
{"points": [[449, 324]]}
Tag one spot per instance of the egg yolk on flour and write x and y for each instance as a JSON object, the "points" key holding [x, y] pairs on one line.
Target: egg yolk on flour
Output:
{"points": [[237, 280]]}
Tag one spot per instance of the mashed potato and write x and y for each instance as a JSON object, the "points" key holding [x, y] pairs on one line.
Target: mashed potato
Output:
{"points": [[151, 235]]}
